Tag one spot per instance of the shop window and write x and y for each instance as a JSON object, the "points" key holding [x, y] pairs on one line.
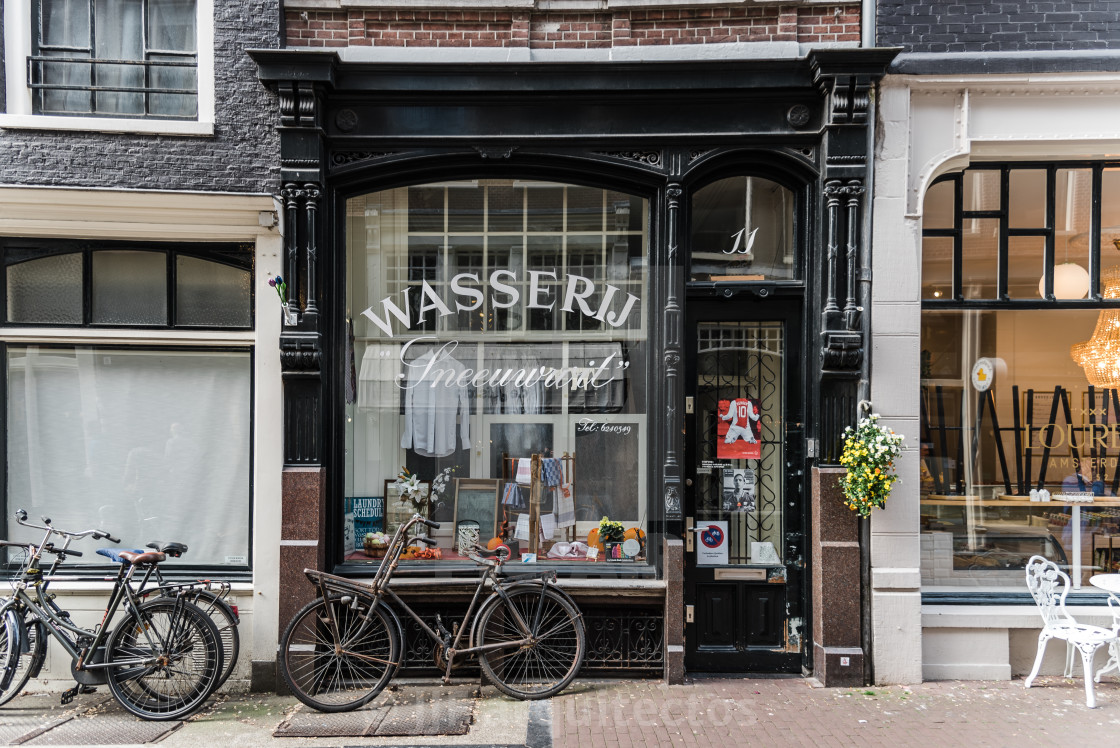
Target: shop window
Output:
{"points": [[742, 230], [1020, 376], [495, 320], [149, 285], [134, 442]]}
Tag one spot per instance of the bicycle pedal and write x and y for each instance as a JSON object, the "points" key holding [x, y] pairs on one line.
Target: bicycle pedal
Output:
{"points": [[69, 694]]}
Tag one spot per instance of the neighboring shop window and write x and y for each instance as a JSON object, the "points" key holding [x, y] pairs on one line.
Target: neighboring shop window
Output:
{"points": [[1020, 375], [147, 444], [492, 321], [742, 230], [72, 283]]}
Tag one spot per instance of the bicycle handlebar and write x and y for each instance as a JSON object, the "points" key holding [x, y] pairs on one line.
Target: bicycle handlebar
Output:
{"points": [[21, 518], [59, 551], [426, 541], [430, 523]]}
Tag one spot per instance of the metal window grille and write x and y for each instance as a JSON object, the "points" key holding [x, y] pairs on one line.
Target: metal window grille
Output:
{"points": [[71, 79]]}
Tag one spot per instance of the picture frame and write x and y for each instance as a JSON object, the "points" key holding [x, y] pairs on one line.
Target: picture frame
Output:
{"points": [[478, 499], [397, 512]]}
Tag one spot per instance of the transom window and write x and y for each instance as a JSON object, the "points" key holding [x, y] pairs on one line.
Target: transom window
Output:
{"points": [[76, 283], [121, 58]]}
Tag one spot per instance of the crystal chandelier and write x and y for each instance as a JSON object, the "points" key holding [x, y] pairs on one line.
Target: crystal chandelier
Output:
{"points": [[1099, 356]]}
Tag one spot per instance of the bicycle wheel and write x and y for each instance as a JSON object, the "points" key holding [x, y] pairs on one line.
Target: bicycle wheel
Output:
{"points": [[26, 662], [165, 660], [549, 661], [226, 622], [336, 656]]}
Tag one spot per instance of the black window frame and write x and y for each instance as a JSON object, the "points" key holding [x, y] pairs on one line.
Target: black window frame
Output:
{"points": [[14, 250], [956, 300], [37, 60]]}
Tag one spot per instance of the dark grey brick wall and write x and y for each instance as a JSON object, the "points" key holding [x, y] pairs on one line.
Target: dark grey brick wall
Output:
{"points": [[998, 26], [242, 156]]}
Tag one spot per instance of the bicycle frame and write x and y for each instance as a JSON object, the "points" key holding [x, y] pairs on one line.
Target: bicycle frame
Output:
{"points": [[44, 609], [378, 589]]}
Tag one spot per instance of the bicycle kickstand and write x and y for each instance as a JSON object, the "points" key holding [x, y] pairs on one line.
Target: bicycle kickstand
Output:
{"points": [[449, 655]]}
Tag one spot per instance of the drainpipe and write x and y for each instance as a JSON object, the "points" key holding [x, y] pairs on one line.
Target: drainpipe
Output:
{"points": [[864, 388]]}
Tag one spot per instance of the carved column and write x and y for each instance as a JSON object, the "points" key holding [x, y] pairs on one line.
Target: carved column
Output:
{"points": [[832, 211], [671, 357], [853, 189]]}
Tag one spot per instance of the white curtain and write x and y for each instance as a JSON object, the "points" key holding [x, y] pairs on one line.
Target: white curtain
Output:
{"points": [[149, 445]]}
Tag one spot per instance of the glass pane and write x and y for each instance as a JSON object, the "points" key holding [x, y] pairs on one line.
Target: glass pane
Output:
{"points": [[739, 408], [47, 290], [937, 267], [171, 25], [212, 294], [981, 517], [129, 288], [425, 208], [529, 338], [464, 208], [119, 36], [1025, 255], [505, 209], [1027, 192], [65, 23], [742, 229], [69, 72], [1073, 201], [981, 189], [546, 208], [980, 258], [178, 78], [1110, 220], [146, 444], [938, 210]]}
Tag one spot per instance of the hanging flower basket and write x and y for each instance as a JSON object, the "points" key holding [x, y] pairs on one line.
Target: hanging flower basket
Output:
{"points": [[869, 454]]}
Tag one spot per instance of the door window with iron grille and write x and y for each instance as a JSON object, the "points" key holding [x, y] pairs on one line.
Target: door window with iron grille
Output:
{"points": [[120, 58]]}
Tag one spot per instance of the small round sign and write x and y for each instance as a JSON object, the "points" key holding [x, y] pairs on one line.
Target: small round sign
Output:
{"points": [[631, 547], [983, 374]]}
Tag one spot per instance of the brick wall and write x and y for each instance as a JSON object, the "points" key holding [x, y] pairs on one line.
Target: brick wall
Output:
{"points": [[243, 155], [922, 26], [571, 30]]}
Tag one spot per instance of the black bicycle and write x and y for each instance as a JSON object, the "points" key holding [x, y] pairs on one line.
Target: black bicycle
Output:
{"points": [[162, 661], [342, 649]]}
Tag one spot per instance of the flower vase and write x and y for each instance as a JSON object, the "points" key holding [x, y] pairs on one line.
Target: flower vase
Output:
{"points": [[291, 316]]}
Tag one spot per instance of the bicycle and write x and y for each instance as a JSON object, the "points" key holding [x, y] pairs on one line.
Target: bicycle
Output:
{"points": [[161, 662], [343, 648], [211, 597]]}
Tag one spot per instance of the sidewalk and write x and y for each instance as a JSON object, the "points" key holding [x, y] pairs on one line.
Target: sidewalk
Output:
{"points": [[716, 711]]}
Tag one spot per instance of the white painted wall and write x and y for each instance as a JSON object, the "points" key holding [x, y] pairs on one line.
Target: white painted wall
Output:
{"points": [[926, 126]]}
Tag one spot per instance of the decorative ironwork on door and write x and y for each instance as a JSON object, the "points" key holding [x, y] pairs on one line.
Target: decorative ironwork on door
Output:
{"points": [[739, 407]]}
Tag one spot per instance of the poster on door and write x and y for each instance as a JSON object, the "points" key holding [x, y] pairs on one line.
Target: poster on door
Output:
{"points": [[738, 429], [711, 543]]}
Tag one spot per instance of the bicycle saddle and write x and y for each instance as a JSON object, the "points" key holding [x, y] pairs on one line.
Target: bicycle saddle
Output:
{"points": [[175, 550], [138, 557]]}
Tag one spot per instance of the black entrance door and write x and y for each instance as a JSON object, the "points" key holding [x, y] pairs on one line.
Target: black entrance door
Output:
{"points": [[744, 518]]}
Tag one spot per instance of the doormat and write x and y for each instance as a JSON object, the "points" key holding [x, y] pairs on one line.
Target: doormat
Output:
{"points": [[407, 712]]}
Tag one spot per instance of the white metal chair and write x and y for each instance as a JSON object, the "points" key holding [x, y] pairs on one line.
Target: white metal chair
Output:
{"points": [[1114, 647], [1049, 586]]}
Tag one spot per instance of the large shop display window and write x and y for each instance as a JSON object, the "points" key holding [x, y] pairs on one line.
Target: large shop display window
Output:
{"points": [[494, 322], [149, 445], [1020, 375]]}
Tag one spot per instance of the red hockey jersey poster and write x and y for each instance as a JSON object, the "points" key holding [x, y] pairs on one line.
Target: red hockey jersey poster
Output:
{"points": [[738, 429]]}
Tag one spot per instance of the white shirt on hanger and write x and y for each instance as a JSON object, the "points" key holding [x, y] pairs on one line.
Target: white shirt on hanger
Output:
{"points": [[430, 412]]}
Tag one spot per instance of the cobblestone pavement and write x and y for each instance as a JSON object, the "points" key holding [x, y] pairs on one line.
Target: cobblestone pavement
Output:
{"points": [[791, 712], [722, 712]]}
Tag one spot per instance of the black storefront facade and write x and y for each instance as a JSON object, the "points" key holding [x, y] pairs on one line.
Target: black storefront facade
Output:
{"points": [[651, 275]]}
